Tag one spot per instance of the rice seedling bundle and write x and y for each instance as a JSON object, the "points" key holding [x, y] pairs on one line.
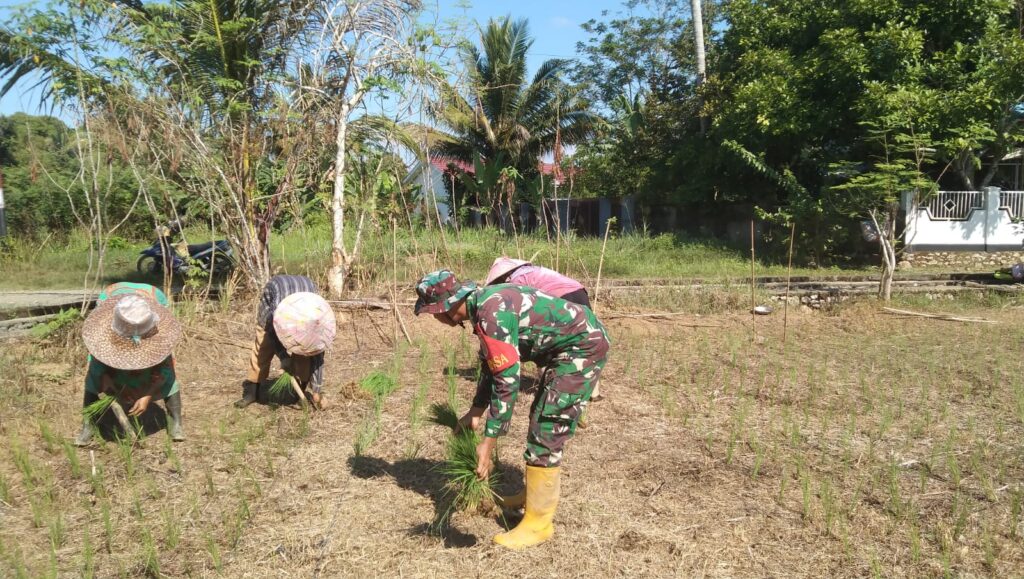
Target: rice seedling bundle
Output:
{"points": [[464, 490], [282, 384], [95, 411]]}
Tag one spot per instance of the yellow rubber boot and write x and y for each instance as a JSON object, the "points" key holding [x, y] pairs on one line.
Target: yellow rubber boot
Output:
{"points": [[542, 486], [512, 502]]}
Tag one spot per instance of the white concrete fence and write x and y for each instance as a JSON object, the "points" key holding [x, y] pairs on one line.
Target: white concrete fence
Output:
{"points": [[989, 220]]}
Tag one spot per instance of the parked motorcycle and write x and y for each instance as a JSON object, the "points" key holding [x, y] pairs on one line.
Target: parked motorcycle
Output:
{"points": [[215, 256]]}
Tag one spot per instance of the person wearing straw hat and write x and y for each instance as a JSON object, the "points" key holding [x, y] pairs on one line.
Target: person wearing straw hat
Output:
{"points": [[520, 272], [516, 324], [296, 325], [130, 335]]}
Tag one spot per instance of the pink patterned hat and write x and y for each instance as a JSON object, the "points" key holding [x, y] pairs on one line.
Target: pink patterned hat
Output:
{"points": [[305, 324], [502, 267]]}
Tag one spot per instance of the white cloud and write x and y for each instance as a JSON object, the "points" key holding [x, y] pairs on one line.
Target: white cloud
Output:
{"points": [[561, 22]]}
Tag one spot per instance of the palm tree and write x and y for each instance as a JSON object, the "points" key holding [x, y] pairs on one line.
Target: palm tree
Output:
{"points": [[503, 117]]}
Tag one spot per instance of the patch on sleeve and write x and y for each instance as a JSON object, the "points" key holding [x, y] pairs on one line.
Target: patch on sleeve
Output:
{"points": [[499, 355]]}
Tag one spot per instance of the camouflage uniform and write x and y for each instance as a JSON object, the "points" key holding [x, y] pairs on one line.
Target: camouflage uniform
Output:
{"points": [[517, 324]]}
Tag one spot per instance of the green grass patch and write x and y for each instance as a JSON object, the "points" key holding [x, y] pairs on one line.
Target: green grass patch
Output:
{"points": [[66, 263]]}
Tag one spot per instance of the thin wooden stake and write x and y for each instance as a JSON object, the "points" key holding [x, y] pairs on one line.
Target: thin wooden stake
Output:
{"points": [[298, 390], [122, 419], [789, 276], [753, 303], [558, 230], [394, 276], [600, 264], [399, 322]]}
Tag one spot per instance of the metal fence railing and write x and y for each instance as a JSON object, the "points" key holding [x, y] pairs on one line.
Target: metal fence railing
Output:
{"points": [[954, 205], [1013, 203]]}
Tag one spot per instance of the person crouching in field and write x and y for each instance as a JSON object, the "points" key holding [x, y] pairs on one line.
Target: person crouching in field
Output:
{"points": [[517, 324], [549, 281], [297, 325], [130, 335]]}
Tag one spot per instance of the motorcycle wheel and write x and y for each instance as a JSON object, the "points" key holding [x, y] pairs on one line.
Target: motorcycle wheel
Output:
{"points": [[222, 264], [147, 264]]}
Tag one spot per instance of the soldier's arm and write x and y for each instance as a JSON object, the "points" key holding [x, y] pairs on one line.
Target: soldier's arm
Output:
{"points": [[484, 385], [499, 341]]}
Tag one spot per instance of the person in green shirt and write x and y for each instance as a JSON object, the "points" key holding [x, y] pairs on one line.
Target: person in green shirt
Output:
{"points": [[130, 335]]}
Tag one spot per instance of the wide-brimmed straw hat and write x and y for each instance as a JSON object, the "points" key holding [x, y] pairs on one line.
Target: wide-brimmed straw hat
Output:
{"points": [[130, 332], [305, 324], [502, 267], [440, 291]]}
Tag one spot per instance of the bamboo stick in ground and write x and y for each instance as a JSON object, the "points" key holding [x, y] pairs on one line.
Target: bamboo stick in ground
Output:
{"points": [[753, 303], [600, 263], [789, 277]]}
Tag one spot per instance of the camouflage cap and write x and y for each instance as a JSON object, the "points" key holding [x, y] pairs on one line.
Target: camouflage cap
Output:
{"points": [[440, 291]]}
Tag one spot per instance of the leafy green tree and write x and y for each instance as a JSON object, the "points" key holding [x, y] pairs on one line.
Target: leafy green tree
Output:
{"points": [[639, 66], [798, 84]]}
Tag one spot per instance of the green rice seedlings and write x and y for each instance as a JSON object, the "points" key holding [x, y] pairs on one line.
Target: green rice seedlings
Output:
{"points": [[108, 526], [464, 491], [96, 410], [172, 529], [24, 464], [282, 384], [214, 551], [88, 567], [57, 530], [379, 384], [150, 554], [467, 491], [444, 415], [50, 440], [72, 455]]}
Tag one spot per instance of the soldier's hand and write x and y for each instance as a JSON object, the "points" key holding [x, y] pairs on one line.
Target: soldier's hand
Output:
{"points": [[471, 420], [484, 451]]}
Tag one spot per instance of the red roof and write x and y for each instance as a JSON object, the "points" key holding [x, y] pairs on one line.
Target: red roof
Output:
{"points": [[557, 172], [442, 163]]}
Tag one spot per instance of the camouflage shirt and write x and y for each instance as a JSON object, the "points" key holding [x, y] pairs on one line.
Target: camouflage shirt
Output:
{"points": [[518, 324]]}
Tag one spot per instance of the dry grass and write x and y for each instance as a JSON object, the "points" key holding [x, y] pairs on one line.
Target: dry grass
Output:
{"points": [[873, 445]]}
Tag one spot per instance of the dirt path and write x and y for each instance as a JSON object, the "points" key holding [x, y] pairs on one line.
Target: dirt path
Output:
{"points": [[21, 301]]}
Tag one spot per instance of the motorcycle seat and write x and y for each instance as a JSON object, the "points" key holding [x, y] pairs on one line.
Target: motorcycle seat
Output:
{"points": [[222, 246]]}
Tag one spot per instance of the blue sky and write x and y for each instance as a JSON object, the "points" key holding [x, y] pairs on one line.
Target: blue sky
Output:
{"points": [[555, 25]]}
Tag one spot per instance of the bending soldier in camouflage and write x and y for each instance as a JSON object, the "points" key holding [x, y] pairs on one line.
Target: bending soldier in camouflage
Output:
{"points": [[516, 324]]}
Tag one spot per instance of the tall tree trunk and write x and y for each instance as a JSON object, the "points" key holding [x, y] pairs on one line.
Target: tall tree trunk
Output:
{"points": [[698, 41], [886, 243], [339, 255]]}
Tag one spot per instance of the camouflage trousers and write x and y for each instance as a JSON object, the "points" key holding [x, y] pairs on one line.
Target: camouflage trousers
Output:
{"points": [[565, 389]]}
